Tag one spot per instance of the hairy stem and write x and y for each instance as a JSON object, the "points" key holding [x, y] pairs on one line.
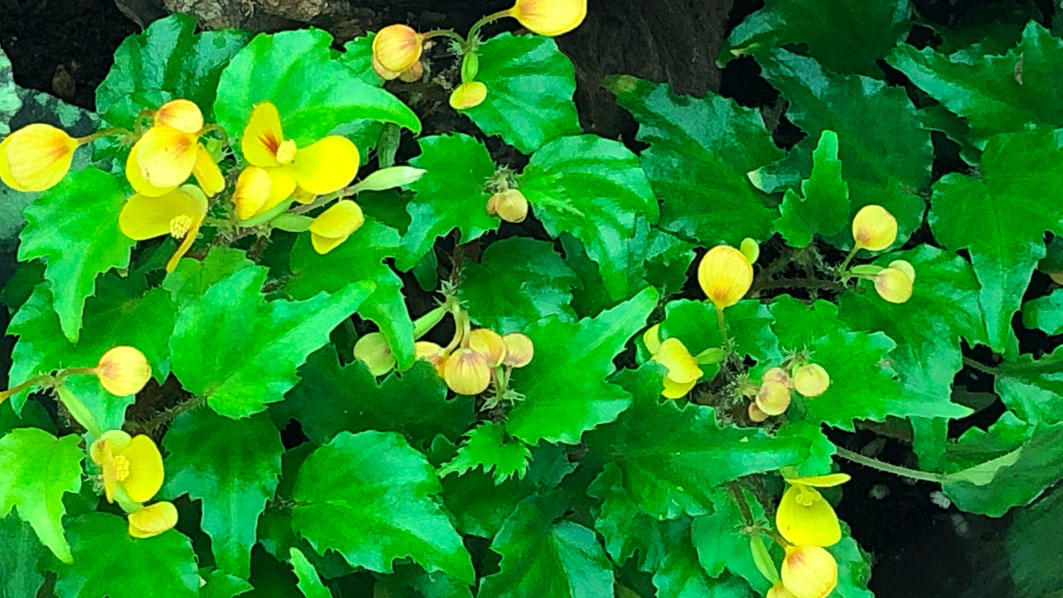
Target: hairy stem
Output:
{"points": [[905, 472]]}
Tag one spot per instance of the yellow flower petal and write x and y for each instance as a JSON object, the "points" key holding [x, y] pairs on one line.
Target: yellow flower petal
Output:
{"points": [[323, 245], [894, 285], [325, 166], [550, 17], [145, 468], [116, 440], [123, 371], [468, 95], [252, 190], [207, 173], [811, 380], [263, 136], [725, 275], [682, 367], [809, 572], [152, 520], [519, 349], [104, 456], [335, 224], [874, 228], [166, 156], [773, 398], [36, 157], [137, 180], [145, 217], [432, 353], [652, 339], [373, 350], [821, 481], [488, 343], [183, 115], [676, 390], [806, 518]]}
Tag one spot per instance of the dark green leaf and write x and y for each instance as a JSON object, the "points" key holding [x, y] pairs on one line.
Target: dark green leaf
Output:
{"points": [[823, 206], [22, 550], [488, 448], [1033, 388], [220, 584]]}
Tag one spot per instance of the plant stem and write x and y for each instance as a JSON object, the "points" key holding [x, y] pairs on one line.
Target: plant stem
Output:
{"points": [[740, 500], [979, 366], [484, 21], [21, 387], [443, 33], [914, 474], [800, 283], [101, 133], [723, 326], [849, 258]]}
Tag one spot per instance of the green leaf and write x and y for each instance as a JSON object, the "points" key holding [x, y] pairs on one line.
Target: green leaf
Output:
{"points": [[120, 314], [1033, 388], [10, 102], [846, 36], [358, 56], [1034, 547], [359, 258], [593, 189], [330, 399], [74, 228], [265, 342], [168, 61], [544, 557], [700, 151], [1045, 313], [450, 195], [854, 568], [390, 513], [220, 584], [309, 581], [565, 387], [748, 326], [314, 93], [674, 457], [488, 448], [721, 543], [994, 94], [885, 154], [823, 205], [109, 562], [1013, 479], [233, 468], [518, 281], [36, 470], [1000, 218], [928, 327], [530, 84], [21, 551], [192, 278]]}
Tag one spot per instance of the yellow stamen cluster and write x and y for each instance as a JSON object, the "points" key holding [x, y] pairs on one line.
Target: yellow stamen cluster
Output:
{"points": [[773, 396], [132, 473]]}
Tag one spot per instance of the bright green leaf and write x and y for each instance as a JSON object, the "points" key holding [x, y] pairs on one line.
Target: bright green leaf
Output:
{"points": [[1045, 313], [721, 543], [530, 84], [487, 447], [220, 584], [309, 581], [1033, 388], [823, 204]]}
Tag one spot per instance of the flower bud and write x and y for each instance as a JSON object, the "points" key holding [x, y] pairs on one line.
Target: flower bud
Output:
{"points": [[382, 72], [809, 572], [180, 114], [773, 398], [725, 275], [489, 344], [467, 372], [652, 339], [549, 17], [905, 267], [750, 249], [893, 285], [388, 178], [123, 371], [811, 380], [874, 228], [166, 156], [519, 350], [432, 353], [152, 520], [777, 375], [373, 350], [36, 157], [468, 95], [755, 414], [510, 205], [397, 47], [412, 74], [334, 225]]}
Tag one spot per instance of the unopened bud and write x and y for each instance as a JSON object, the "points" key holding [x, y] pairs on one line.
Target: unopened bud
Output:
{"points": [[519, 350], [489, 344], [467, 372], [36, 157], [432, 353], [874, 228], [750, 249], [549, 17], [905, 267], [725, 275], [373, 350], [773, 398], [468, 95], [809, 572], [893, 285], [510, 205], [152, 520], [123, 371], [412, 74], [382, 72], [755, 414], [811, 380], [397, 47], [180, 114], [777, 375], [389, 178]]}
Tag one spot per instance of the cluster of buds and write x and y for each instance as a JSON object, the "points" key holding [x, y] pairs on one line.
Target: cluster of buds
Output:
{"points": [[875, 229], [772, 397]]}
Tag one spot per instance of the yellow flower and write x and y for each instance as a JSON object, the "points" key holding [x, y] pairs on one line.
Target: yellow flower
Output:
{"points": [[509, 205], [133, 464], [152, 520], [204, 169], [874, 228], [811, 380], [725, 275], [207, 173], [489, 344], [652, 339], [773, 398], [179, 214], [755, 414], [432, 353], [334, 225], [162, 159], [804, 517], [373, 350], [468, 95], [123, 371], [904, 266], [259, 190], [322, 167], [894, 285], [683, 371], [519, 350], [809, 572], [549, 17], [36, 157], [467, 372], [396, 48]]}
